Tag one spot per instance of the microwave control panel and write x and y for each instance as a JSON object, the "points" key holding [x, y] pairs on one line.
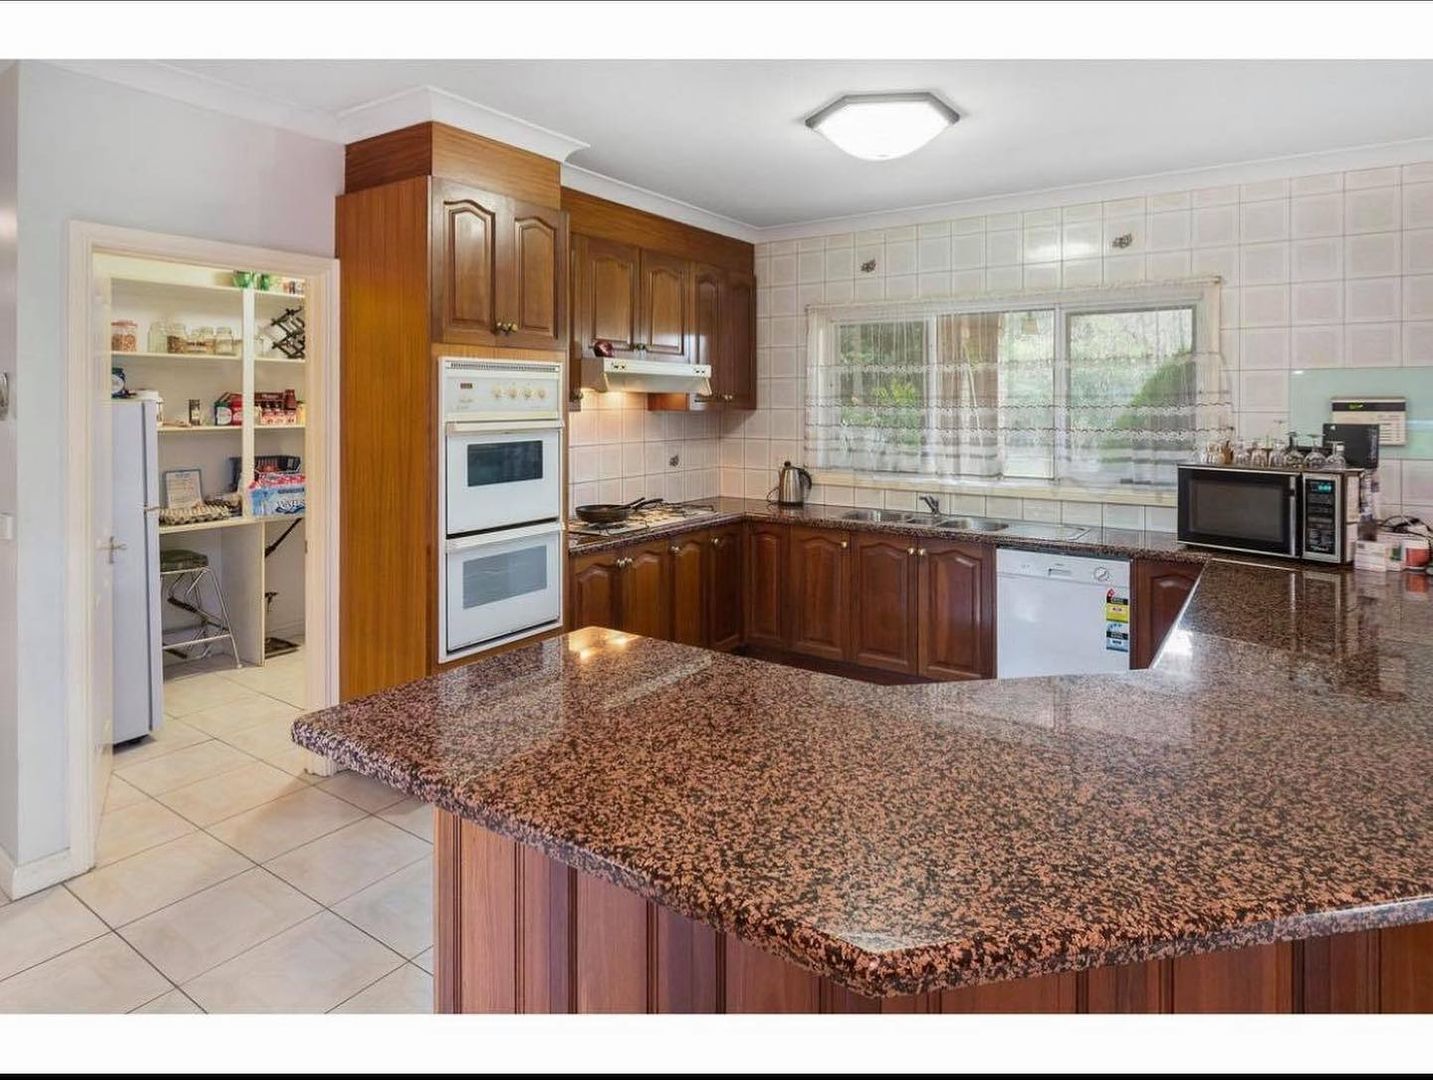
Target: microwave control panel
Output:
{"points": [[1323, 518]]}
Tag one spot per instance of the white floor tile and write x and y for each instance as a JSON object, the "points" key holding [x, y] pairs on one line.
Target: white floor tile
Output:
{"points": [[191, 693], [42, 926], [237, 715], [425, 960], [407, 990], [338, 865], [172, 1002], [412, 816], [398, 910], [358, 789], [205, 930], [136, 828], [276, 827], [182, 767], [272, 741], [104, 976], [133, 887], [215, 798], [172, 735], [121, 794], [311, 967]]}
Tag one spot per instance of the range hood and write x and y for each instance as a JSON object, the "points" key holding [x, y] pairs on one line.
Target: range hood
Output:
{"points": [[645, 376]]}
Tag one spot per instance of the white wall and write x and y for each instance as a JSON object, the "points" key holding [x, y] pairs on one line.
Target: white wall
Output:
{"points": [[9, 731], [99, 152], [1333, 270]]}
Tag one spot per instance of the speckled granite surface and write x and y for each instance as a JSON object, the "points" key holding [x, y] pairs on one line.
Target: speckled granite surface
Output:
{"points": [[1271, 778], [1124, 542]]}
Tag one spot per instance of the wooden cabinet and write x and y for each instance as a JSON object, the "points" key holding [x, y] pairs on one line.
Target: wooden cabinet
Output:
{"points": [[689, 556], [765, 608], [955, 601], [819, 592], [1160, 590], [734, 362], [499, 269], [664, 317], [607, 294], [725, 585], [593, 591], [883, 602], [646, 591]]}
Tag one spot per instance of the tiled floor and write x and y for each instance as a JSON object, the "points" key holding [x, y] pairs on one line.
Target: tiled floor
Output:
{"points": [[229, 880]]}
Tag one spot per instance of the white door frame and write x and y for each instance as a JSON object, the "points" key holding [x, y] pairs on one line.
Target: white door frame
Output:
{"points": [[85, 377]]}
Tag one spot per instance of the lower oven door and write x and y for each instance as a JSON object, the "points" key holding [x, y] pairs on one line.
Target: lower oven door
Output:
{"points": [[499, 587], [1239, 510], [497, 475]]}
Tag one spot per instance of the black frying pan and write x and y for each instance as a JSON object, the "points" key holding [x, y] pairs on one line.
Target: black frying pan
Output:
{"points": [[611, 513]]}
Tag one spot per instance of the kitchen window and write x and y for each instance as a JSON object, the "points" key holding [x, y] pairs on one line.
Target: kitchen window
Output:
{"points": [[1098, 389]]}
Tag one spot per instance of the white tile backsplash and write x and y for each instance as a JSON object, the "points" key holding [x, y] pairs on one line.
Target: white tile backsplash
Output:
{"points": [[1329, 270]]}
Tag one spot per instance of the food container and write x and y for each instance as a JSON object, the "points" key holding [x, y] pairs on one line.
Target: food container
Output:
{"points": [[124, 335], [159, 336], [224, 341], [175, 337]]}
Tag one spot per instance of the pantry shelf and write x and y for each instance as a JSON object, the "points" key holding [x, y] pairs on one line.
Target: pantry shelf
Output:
{"points": [[202, 429], [188, 358], [204, 526]]}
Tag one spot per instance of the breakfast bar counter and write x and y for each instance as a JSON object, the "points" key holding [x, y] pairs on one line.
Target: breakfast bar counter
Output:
{"points": [[635, 825]]}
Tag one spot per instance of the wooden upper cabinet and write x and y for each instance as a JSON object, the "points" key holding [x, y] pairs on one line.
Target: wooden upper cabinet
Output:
{"points": [[734, 373], [725, 586], [1160, 590], [956, 610], [765, 607], [608, 292], [499, 269], [819, 588], [707, 332], [665, 306], [533, 288], [465, 228], [883, 602]]}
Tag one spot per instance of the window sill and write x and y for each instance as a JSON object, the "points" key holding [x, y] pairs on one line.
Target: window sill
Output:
{"points": [[1012, 489]]}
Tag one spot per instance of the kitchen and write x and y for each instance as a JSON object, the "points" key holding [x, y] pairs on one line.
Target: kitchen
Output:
{"points": [[817, 581]]}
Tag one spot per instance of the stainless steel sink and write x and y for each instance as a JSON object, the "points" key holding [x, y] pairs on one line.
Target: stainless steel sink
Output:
{"points": [[886, 517], [965, 524], [1036, 531]]}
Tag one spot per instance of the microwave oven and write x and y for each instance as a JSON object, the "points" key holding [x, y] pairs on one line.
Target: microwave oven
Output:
{"points": [[1285, 513]]}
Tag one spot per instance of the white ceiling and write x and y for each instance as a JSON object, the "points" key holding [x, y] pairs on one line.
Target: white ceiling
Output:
{"points": [[728, 137]]}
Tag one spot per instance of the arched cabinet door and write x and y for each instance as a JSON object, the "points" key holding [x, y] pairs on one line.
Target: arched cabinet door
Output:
{"points": [[466, 224], [533, 296], [955, 595]]}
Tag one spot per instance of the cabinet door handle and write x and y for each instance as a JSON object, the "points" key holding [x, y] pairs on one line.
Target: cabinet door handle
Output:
{"points": [[910, 551], [675, 550], [920, 552], [845, 543], [716, 541]]}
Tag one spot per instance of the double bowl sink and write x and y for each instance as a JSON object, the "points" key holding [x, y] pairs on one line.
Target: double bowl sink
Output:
{"points": [[1027, 529]]}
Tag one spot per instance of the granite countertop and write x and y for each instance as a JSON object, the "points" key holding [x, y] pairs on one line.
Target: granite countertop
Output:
{"points": [[1270, 778], [1124, 542]]}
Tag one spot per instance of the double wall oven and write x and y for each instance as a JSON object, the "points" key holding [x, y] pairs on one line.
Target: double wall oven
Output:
{"points": [[500, 503]]}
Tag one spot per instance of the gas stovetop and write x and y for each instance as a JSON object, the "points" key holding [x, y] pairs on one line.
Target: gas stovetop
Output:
{"points": [[653, 517]]}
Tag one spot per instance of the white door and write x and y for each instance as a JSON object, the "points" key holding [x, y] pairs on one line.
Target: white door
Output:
{"points": [[101, 600]]}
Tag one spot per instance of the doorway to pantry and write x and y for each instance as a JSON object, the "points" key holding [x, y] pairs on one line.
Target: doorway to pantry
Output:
{"points": [[210, 581]]}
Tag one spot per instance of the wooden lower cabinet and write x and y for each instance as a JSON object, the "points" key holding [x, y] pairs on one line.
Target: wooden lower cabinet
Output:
{"points": [[518, 932], [689, 554], [818, 592], [726, 584], [955, 596], [766, 563], [593, 585], [1160, 589], [883, 602]]}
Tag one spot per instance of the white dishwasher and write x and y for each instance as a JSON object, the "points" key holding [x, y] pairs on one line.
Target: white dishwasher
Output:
{"points": [[1057, 615]]}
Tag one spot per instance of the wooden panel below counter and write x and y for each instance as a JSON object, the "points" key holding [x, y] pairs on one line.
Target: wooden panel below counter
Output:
{"points": [[518, 932]]}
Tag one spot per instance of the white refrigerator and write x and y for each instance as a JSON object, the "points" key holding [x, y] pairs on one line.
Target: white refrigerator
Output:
{"points": [[138, 661]]}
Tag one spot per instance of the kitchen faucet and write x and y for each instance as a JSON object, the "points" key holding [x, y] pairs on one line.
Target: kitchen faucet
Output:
{"points": [[932, 503]]}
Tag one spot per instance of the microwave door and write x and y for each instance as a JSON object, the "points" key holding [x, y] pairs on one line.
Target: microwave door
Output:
{"points": [[1240, 510]]}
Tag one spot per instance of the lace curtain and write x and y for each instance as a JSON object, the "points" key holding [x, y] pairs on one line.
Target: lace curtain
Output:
{"points": [[1100, 388]]}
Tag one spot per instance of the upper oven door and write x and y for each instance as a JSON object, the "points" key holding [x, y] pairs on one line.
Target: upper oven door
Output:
{"points": [[501, 475], [1240, 510]]}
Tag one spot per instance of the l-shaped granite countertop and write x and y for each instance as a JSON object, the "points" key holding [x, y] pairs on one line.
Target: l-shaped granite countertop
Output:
{"points": [[1270, 778]]}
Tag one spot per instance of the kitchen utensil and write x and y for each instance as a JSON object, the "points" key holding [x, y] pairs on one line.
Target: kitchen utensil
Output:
{"points": [[610, 513], [792, 484]]}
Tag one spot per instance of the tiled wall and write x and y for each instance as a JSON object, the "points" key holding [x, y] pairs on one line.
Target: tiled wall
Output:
{"points": [[618, 451], [1334, 270]]}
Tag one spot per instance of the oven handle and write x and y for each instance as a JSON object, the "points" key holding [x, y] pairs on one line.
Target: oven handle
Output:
{"points": [[500, 427], [503, 536]]}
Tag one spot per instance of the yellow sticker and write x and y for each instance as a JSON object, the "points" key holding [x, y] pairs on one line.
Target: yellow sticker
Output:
{"points": [[1116, 607]]}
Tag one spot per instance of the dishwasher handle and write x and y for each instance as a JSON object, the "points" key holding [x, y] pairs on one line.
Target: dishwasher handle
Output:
{"points": [[1058, 571]]}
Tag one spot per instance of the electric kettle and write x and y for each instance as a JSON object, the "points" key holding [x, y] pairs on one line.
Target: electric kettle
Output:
{"points": [[792, 485]]}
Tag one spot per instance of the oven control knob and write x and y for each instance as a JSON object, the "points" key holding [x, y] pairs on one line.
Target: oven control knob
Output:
{"points": [[512, 391], [497, 391], [541, 393], [1101, 574], [527, 391]]}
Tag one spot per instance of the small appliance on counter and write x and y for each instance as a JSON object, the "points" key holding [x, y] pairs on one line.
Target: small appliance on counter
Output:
{"points": [[792, 484], [1284, 511], [1360, 443]]}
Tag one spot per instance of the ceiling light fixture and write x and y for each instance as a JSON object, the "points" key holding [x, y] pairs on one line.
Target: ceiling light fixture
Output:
{"points": [[879, 127]]}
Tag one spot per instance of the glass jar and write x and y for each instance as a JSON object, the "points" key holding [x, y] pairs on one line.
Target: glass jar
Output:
{"points": [[1336, 459], [159, 336], [124, 335], [177, 338], [224, 341]]}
